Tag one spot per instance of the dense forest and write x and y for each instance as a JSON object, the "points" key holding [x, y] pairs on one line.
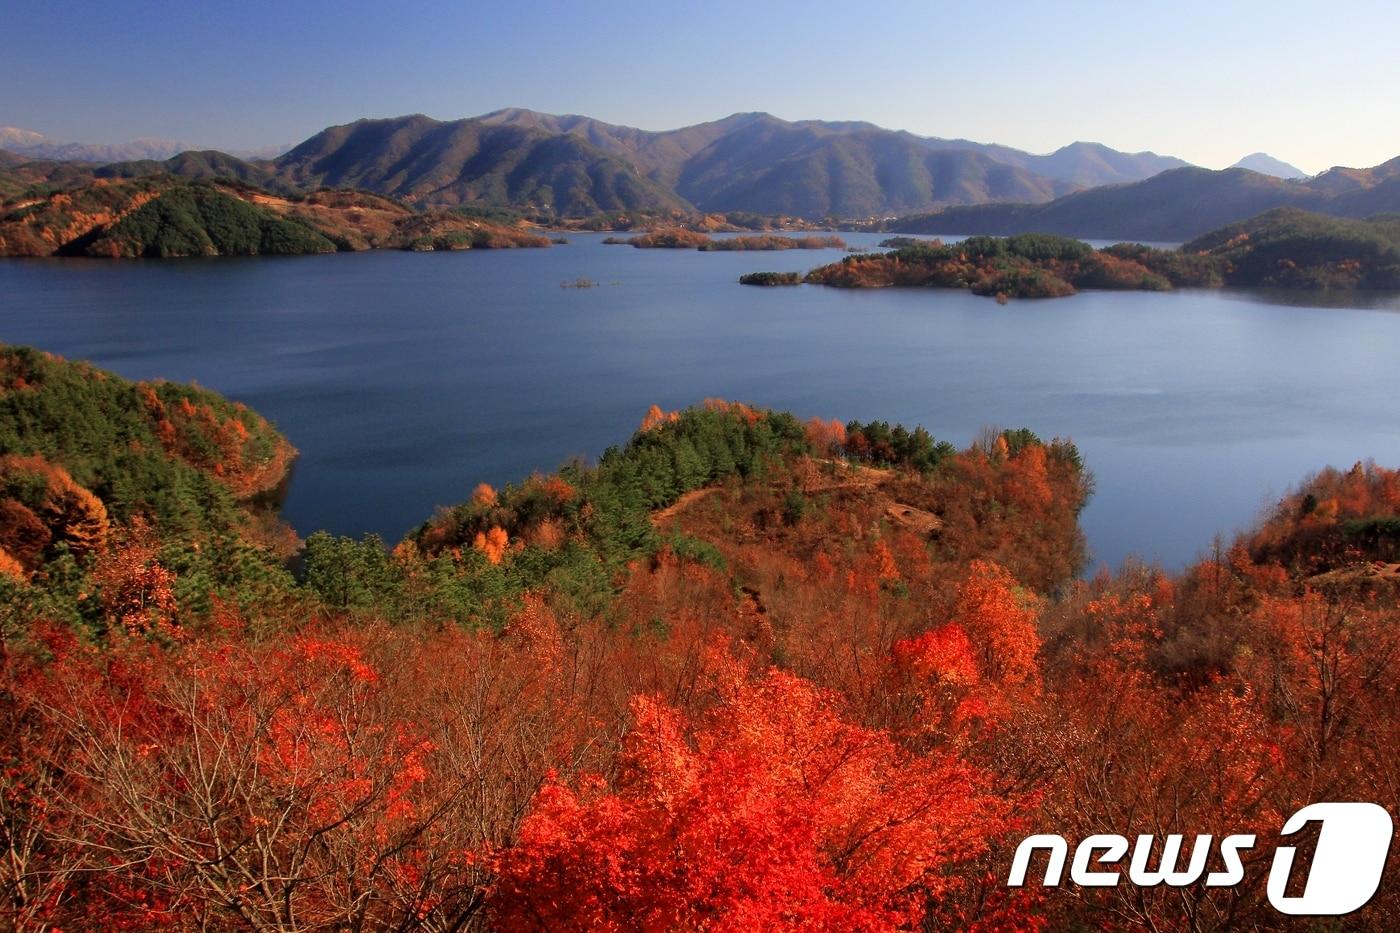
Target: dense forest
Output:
{"points": [[1283, 248], [745, 671]]}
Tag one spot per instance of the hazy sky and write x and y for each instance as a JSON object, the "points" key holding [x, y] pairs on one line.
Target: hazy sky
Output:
{"points": [[1316, 84]]}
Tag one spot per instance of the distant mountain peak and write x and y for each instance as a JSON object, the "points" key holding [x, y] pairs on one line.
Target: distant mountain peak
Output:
{"points": [[13, 136], [507, 113], [1265, 164], [38, 146], [407, 118]]}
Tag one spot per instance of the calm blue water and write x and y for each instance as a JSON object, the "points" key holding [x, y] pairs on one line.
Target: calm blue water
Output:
{"points": [[407, 378]]}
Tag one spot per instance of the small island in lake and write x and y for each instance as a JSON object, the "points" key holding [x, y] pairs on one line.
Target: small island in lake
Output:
{"points": [[771, 278], [670, 238], [680, 238], [770, 242]]}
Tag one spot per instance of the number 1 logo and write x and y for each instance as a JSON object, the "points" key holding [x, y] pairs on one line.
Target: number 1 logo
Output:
{"points": [[1352, 846]]}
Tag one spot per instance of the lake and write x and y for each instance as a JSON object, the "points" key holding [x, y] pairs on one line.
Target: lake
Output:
{"points": [[407, 378]]}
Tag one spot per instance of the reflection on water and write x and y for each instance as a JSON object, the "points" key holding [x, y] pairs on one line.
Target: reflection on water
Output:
{"points": [[1337, 298]]}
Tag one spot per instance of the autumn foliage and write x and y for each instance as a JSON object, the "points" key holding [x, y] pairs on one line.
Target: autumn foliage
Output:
{"points": [[222, 443], [745, 672], [492, 544], [1025, 266], [41, 504], [771, 812]]}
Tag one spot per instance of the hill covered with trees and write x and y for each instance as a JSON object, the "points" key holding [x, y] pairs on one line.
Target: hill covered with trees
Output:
{"points": [[205, 165], [19, 174], [168, 216], [745, 670], [98, 476], [1294, 249]]}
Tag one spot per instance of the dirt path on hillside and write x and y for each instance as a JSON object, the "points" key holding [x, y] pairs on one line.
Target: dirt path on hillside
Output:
{"points": [[857, 477], [684, 502]]}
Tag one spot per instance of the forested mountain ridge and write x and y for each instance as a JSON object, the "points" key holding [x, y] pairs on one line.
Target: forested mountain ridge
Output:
{"points": [[1083, 164], [658, 155], [662, 153], [428, 162], [556, 167], [1289, 248], [751, 162], [203, 165], [19, 173], [773, 168]]}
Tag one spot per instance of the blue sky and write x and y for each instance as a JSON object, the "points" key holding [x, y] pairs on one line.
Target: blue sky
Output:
{"points": [[1315, 84]]}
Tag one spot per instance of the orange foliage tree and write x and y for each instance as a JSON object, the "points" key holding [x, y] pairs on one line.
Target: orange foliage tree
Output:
{"points": [[492, 543], [768, 811]]}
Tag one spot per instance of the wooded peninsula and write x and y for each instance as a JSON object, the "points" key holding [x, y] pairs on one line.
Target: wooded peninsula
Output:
{"points": [[1283, 248]]}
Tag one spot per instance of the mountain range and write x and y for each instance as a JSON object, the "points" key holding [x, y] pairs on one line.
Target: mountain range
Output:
{"points": [[32, 145], [1175, 205], [751, 162], [558, 166], [575, 165], [38, 146]]}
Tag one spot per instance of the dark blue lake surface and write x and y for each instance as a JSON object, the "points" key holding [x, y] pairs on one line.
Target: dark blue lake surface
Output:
{"points": [[407, 378]]}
